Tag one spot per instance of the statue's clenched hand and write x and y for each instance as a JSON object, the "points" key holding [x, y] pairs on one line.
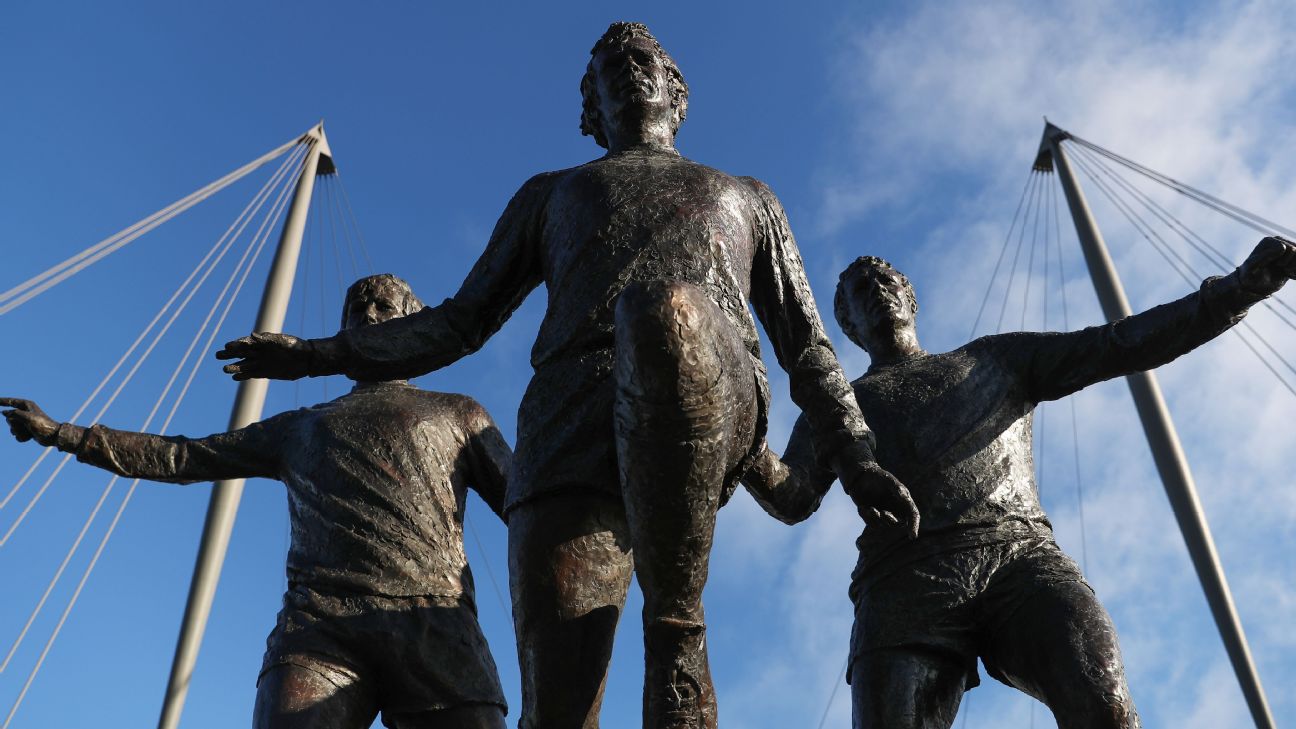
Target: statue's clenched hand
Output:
{"points": [[1271, 264], [880, 497], [268, 355], [28, 422]]}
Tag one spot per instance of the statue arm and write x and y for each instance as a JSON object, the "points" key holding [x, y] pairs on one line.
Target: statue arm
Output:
{"points": [[490, 459], [426, 340], [781, 297], [790, 488], [1057, 365], [243, 453]]}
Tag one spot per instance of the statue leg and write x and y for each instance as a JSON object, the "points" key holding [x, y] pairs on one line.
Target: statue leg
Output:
{"points": [[899, 688], [311, 693], [569, 569], [1060, 647], [685, 417]]}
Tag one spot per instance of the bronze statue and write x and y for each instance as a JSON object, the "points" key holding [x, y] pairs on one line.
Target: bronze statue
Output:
{"points": [[380, 612], [648, 400], [984, 578]]}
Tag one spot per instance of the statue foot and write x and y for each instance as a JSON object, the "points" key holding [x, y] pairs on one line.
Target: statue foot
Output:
{"points": [[678, 693]]}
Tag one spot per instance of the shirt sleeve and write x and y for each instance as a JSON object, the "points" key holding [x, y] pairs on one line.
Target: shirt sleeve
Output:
{"points": [[244, 453], [781, 297], [790, 488], [489, 458], [1055, 365], [430, 339]]}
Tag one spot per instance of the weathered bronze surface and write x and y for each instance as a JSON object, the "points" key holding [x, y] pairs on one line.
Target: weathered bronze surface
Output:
{"points": [[984, 578], [379, 613], [649, 397]]}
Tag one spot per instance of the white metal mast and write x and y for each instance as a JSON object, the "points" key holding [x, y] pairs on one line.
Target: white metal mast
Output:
{"points": [[1160, 431], [247, 410]]}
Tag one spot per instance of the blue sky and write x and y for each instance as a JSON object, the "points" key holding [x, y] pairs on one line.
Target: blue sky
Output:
{"points": [[901, 130]]}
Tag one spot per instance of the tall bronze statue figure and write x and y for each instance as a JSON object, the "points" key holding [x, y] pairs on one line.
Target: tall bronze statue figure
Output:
{"points": [[984, 578], [379, 613], [648, 399]]}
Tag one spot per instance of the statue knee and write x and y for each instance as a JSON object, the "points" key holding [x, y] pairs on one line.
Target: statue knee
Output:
{"points": [[1097, 704], [665, 310], [666, 339]]}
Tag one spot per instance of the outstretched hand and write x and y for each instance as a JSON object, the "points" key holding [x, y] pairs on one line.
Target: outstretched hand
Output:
{"points": [[267, 355], [880, 497], [1271, 264], [28, 422]]}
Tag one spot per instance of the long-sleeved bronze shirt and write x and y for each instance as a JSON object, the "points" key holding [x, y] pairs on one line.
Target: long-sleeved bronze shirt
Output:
{"points": [[586, 233], [376, 482], [956, 427]]}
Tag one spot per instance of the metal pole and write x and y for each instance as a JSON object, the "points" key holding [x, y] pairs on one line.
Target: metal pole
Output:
{"points": [[223, 505], [1162, 439]]}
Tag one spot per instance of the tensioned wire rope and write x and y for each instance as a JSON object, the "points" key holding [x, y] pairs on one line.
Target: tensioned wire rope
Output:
{"points": [[38, 284], [241, 272], [104, 495], [1185, 270], [219, 250]]}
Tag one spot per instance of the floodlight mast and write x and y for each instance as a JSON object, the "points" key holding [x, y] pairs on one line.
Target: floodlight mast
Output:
{"points": [[248, 403], [1160, 431]]}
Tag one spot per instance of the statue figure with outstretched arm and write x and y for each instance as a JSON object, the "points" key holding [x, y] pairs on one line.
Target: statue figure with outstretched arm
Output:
{"points": [[984, 578], [648, 398], [379, 613]]}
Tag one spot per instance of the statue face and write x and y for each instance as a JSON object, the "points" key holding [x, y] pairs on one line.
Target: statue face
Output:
{"points": [[374, 305], [632, 81], [879, 302]]}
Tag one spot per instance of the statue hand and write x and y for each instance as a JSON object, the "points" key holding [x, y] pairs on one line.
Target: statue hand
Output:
{"points": [[880, 497], [267, 355], [29, 422], [1270, 265]]}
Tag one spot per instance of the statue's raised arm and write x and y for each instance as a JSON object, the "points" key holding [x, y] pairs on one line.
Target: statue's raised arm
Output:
{"points": [[426, 340]]}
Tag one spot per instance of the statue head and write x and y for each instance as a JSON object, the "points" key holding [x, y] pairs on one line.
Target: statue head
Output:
{"points": [[375, 299], [874, 300], [629, 64]]}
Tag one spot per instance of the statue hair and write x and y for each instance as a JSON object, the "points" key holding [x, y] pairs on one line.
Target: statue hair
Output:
{"points": [[408, 304], [620, 33], [868, 266]]}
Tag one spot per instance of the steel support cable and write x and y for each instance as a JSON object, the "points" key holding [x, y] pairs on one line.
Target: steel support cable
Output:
{"points": [[1031, 179], [121, 385], [1191, 237], [1012, 270], [251, 209], [364, 248], [1075, 429], [1241, 215], [1030, 259], [833, 695], [1152, 237], [337, 254], [1192, 277], [335, 210], [60, 272], [165, 391], [499, 594], [259, 240], [304, 290], [253, 244], [323, 289]]}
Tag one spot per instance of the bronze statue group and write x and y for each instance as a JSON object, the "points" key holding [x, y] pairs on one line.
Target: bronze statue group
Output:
{"points": [[647, 407]]}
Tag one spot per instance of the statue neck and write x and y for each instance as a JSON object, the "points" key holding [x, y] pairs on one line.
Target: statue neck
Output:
{"points": [[898, 346], [642, 134]]}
